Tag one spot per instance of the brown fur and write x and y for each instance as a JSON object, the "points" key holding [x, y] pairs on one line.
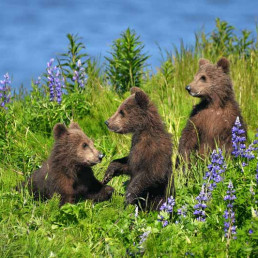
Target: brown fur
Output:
{"points": [[211, 121], [68, 170], [149, 161]]}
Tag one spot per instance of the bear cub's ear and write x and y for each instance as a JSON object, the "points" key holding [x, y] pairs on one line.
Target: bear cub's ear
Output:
{"points": [[74, 125], [59, 130], [134, 90], [224, 64], [141, 99], [203, 61]]}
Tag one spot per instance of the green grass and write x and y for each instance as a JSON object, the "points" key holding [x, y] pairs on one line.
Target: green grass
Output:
{"points": [[30, 228]]}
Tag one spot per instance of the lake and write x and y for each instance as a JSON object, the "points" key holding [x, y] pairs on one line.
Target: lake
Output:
{"points": [[33, 31]]}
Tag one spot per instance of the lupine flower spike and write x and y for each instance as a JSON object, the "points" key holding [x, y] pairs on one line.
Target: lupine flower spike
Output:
{"points": [[238, 143], [144, 237], [212, 177], [255, 142], [182, 211], [200, 207], [55, 82], [229, 214], [257, 175], [255, 193], [37, 82], [165, 210], [215, 171], [5, 88], [80, 75]]}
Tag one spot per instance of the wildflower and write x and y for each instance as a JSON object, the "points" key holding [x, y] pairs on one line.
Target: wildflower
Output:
{"points": [[229, 214], [244, 164], [144, 237], [37, 82], [188, 253], [238, 139], [80, 75], [136, 211], [55, 82], [255, 142], [238, 143], [168, 206], [5, 88], [166, 209], [164, 223], [256, 177], [215, 169], [254, 193], [212, 177], [252, 190], [182, 211], [250, 231], [201, 206]]}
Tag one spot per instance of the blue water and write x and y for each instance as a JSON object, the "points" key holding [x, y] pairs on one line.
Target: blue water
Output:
{"points": [[33, 31]]}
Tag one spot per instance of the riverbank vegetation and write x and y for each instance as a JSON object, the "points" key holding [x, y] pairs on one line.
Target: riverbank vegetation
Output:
{"points": [[211, 214]]}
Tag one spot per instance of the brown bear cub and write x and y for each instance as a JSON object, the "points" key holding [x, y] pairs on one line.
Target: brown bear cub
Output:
{"points": [[68, 170], [211, 121], [149, 161]]}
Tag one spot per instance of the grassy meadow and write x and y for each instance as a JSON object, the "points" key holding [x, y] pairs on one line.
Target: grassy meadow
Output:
{"points": [[31, 228]]}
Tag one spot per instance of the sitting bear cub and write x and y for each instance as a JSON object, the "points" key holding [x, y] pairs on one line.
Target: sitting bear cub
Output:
{"points": [[68, 169], [149, 161], [211, 121]]}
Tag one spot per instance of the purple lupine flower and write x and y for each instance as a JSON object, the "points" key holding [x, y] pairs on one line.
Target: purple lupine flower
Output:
{"points": [[215, 170], [255, 142], [256, 177], [182, 211], [229, 214], [55, 82], [238, 139], [162, 220], [212, 177], [200, 207], [144, 237], [188, 253], [80, 75], [37, 82], [253, 193], [5, 91], [164, 223], [167, 208], [238, 143]]}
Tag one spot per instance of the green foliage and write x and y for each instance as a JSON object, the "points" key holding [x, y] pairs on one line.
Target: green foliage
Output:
{"points": [[73, 106], [69, 61], [31, 228], [223, 41], [125, 66]]}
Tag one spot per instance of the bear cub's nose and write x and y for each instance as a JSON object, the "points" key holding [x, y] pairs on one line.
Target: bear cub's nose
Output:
{"points": [[106, 122], [101, 156], [188, 88]]}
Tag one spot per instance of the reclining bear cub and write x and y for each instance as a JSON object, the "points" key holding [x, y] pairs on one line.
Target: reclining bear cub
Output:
{"points": [[68, 169]]}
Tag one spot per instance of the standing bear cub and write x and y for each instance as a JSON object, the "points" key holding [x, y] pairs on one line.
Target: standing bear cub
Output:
{"points": [[149, 161], [211, 121], [68, 170]]}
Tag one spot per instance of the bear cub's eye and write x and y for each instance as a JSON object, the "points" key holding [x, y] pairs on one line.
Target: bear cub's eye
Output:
{"points": [[122, 113], [203, 78], [84, 145]]}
